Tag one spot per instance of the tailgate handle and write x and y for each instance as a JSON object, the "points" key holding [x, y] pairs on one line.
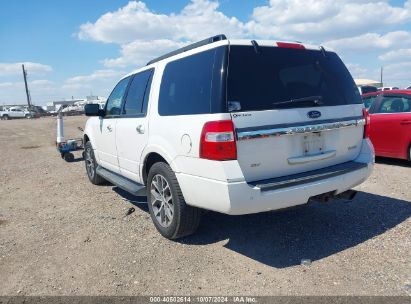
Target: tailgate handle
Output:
{"points": [[311, 158]]}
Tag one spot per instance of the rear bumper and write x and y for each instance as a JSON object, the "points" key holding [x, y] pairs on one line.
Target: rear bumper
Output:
{"points": [[244, 198]]}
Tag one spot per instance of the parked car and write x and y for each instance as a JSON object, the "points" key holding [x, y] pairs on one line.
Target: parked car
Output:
{"points": [[367, 89], [283, 124], [390, 123], [15, 112], [387, 88], [408, 88]]}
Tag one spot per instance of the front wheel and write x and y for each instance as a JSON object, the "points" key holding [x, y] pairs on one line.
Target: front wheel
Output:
{"points": [[172, 217], [27, 116], [5, 117], [91, 165]]}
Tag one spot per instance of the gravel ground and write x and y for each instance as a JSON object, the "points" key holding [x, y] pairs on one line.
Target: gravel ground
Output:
{"points": [[60, 235]]}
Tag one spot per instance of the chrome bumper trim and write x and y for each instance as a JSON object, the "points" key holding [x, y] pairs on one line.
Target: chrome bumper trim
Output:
{"points": [[302, 129]]}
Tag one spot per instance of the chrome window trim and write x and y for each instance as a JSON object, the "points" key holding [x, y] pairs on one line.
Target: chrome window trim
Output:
{"points": [[376, 113], [302, 129]]}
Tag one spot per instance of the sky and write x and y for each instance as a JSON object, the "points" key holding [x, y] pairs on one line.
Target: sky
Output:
{"points": [[76, 48]]}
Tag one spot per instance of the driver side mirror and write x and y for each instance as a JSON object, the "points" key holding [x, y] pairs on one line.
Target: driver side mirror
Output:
{"points": [[93, 110]]}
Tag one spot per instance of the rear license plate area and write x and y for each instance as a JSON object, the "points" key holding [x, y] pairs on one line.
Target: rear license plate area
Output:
{"points": [[313, 144]]}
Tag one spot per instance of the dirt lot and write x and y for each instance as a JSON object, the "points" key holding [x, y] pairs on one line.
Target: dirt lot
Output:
{"points": [[61, 235]]}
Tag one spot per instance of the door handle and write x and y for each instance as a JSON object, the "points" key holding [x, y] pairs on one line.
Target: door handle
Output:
{"points": [[405, 122], [140, 129], [109, 128]]}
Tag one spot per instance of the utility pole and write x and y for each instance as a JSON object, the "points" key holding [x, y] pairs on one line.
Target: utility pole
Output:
{"points": [[381, 77], [27, 87]]}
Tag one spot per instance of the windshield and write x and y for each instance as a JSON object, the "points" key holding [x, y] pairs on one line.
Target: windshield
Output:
{"points": [[275, 77]]}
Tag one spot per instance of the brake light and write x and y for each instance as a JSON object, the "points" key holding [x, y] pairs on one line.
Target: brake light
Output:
{"points": [[366, 116], [290, 45], [218, 141]]}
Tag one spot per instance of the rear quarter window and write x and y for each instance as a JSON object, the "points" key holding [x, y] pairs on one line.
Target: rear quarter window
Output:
{"points": [[193, 84]]}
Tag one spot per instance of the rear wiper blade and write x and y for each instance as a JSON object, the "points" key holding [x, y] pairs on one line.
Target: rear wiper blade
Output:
{"points": [[315, 100]]}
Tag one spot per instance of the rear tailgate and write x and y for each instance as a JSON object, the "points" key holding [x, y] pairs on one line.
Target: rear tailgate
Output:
{"points": [[294, 110], [266, 149]]}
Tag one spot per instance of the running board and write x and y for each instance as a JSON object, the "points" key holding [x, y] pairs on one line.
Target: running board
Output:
{"points": [[122, 182]]}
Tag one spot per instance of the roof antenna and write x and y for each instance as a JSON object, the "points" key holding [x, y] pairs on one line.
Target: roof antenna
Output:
{"points": [[256, 46]]}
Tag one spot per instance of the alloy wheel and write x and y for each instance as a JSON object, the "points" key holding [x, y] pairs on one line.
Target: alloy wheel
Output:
{"points": [[89, 163], [162, 200]]}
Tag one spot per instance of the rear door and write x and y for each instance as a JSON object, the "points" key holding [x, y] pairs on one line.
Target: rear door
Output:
{"points": [[390, 121], [132, 126], [105, 135], [294, 110], [17, 113]]}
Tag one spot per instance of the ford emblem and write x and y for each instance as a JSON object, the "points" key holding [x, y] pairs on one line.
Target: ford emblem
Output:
{"points": [[314, 114]]}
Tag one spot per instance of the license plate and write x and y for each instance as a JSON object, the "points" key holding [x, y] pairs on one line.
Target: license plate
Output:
{"points": [[313, 144]]}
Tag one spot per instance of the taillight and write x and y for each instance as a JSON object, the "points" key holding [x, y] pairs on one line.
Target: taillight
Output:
{"points": [[290, 45], [366, 116], [218, 141]]}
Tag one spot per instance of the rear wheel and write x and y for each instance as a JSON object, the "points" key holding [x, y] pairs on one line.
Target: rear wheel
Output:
{"points": [[172, 217], [91, 165], [27, 116], [409, 153]]}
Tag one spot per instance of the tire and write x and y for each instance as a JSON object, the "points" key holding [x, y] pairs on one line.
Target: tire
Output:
{"points": [[27, 116], [91, 165], [184, 219], [5, 117], [409, 153]]}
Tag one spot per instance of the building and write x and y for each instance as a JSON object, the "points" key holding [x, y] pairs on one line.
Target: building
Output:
{"points": [[56, 105], [367, 82]]}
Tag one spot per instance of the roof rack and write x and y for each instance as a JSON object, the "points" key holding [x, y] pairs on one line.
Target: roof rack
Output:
{"points": [[190, 47]]}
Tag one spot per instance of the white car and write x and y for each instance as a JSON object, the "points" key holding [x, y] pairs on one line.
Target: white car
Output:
{"points": [[387, 88], [15, 112], [233, 126], [408, 88]]}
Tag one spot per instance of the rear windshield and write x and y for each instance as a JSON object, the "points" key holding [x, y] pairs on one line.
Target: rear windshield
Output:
{"points": [[272, 77]]}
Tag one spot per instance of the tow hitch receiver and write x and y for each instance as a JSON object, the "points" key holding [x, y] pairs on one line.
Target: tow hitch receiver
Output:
{"points": [[329, 196], [347, 195]]}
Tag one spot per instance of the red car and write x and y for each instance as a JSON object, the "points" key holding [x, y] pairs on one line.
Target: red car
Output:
{"points": [[390, 122]]}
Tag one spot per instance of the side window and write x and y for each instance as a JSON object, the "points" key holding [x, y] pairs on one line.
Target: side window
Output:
{"points": [[186, 86], [368, 101], [407, 104], [113, 105], [392, 104], [137, 93]]}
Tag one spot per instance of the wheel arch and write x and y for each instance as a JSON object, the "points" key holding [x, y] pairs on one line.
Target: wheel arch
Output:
{"points": [[152, 157]]}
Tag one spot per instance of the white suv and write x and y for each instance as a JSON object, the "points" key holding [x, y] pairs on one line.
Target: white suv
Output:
{"points": [[233, 126]]}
